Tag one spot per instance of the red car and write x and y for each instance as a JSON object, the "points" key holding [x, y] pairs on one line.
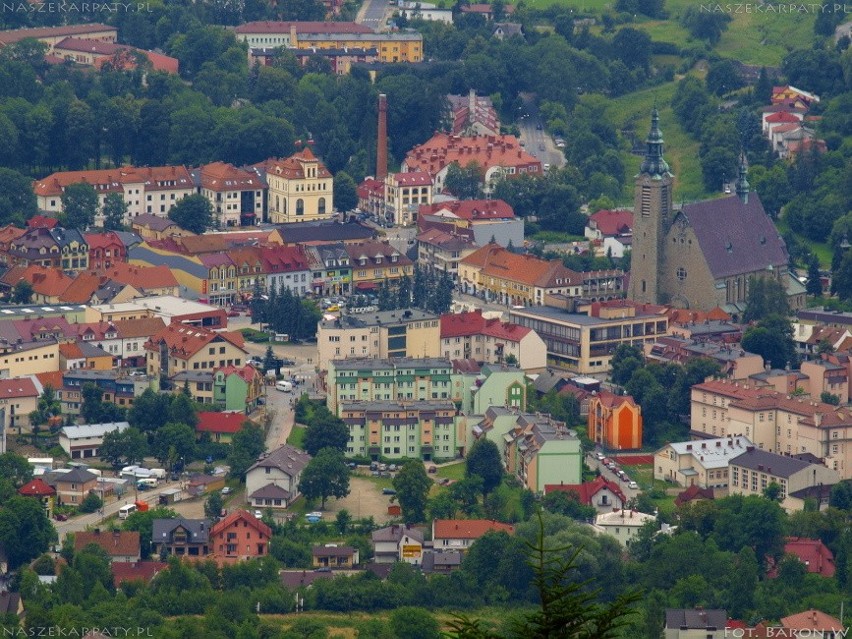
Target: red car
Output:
{"points": [[233, 313], [60, 517]]}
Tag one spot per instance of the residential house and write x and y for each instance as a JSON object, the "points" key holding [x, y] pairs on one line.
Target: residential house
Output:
{"points": [[38, 489], [181, 537], [238, 537], [421, 429], [695, 623], [814, 554], [694, 494], [155, 227], [148, 280], [119, 545], [475, 389], [238, 388], [702, 463], [52, 35], [199, 383], [622, 524], [82, 442], [754, 470], [488, 220], [604, 495], [286, 267], [473, 115], [116, 387], [441, 563], [541, 451], [498, 155], [153, 190], [584, 343], [609, 224], [783, 94], [236, 195], [469, 335], [8, 233], [300, 188], [73, 487], [374, 263], [424, 11], [220, 427], [509, 278], [382, 334], [439, 252], [495, 425], [331, 270], [813, 623], [57, 247], [77, 355], [396, 379], [273, 480], [105, 249], [122, 339], [179, 347], [504, 30], [11, 604], [615, 421], [137, 571], [334, 556], [734, 362], [18, 398], [459, 534], [397, 543]]}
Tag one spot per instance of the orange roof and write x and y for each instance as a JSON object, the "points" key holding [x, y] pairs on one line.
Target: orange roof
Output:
{"points": [[185, 341], [611, 400], [496, 261], [53, 379], [221, 176], [467, 528], [443, 149], [111, 180], [81, 289], [141, 277], [223, 524], [16, 35], [9, 233], [70, 350], [811, 620], [293, 168], [108, 239], [142, 327], [471, 209], [50, 282]]}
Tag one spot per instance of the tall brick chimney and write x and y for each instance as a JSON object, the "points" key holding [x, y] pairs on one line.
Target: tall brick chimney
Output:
{"points": [[382, 139]]}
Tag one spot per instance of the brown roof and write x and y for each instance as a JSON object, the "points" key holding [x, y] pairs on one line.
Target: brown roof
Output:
{"points": [[118, 543], [223, 524], [496, 261], [811, 620], [136, 571], [141, 277], [467, 528], [142, 327], [443, 149], [111, 180], [81, 289], [17, 387], [293, 168], [16, 35], [221, 176], [185, 341]]}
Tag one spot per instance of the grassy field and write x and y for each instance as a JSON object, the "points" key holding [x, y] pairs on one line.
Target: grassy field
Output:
{"points": [[297, 437], [451, 471]]}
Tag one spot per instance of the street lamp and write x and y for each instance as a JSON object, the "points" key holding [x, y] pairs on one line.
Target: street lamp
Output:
{"points": [[844, 243]]}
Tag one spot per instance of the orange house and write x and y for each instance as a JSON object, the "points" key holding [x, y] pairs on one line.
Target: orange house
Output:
{"points": [[238, 537], [615, 421]]}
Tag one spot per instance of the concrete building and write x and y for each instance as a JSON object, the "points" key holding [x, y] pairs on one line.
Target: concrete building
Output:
{"points": [[695, 624], [734, 362], [584, 344], [273, 480], [477, 389], [401, 333], [73, 487], [375, 263], [487, 220], [615, 421], [473, 115], [540, 451], [424, 429], [470, 335], [623, 524], [440, 252], [53, 35], [300, 188], [236, 195], [403, 379], [29, 358], [82, 442], [702, 463]]}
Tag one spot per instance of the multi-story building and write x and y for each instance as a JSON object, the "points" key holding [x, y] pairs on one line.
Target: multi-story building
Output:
{"points": [[276, 34], [57, 247], [487, 220], [82, 442], [273, 480], [116, 387], [423, 429], [701, 463], [734, 362], [18, 398], [473, 115], [105, 249], [53, 35], [238, 388], [154, 190], [497, 155], [119, 545], [585, 343], [179, 347], [181, 537], [520, 280], [404, 194], [124, 339], [374, 263], [685, 623], [469, 335], [459, 534], [285, 267], [476, 389], [236, 195], [340, 59], [615, 421], [402, 333], [753, 470], [439, 251], [540, 451], [96, 53], [21, 358], [238, 537], [602, 494], [403, 379], [397, 543], [331, 270], [300, 188]]}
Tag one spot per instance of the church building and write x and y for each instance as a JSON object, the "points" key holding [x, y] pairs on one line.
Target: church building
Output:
{"points": [[702, 255]]}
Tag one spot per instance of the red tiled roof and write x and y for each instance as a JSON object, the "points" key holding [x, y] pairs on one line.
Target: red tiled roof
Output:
{"points": [[227, 423], [247, 373], [692, 493], [458, 324], [82, 45], [115, 543], [813, 553], [111, 180], [505, 330], [470, 209], [587, 491], [442, 149], [414, 178], [107, 239], [371, 186], [36, 488], [221, 176], [223, 524], [782, 116], [496, 261], [141, 277], [71, 350], [17, 387], [293, 168], [8, 37], [185, 341], [53, 379], [82, 288], [283, 259], [811, 620], [49, 282], [612, 223], [302, 27], [42, 222], [467, 528], [123, 571], [611, 400]]}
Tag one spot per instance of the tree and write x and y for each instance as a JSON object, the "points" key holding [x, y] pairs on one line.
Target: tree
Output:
{"points": [[182, 410], [722, 77], [17, 199], [414, 623], [25, 530], [91, 503], [841, 495], [814, 284], [246, 446], [172, 442], [270, 362], [326, 475], [705, 25], [15, 468], [193, 213], [123, 448], [343, 521], [464, 182], [115, 210], [22, 293], [345, 192], [143, 523], [213, 505], [484, 461], [766, 296], [829, 398], [412, 486], [325, 430], [568, 503], [149, 411], [79, 206], [772, 338], [94, 410], [625, 361]]}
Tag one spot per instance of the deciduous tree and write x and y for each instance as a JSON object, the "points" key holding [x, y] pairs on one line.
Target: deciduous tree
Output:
{"points": [[412, 486], [79, 205], [484, 461], [326, 475], [193, 213]]}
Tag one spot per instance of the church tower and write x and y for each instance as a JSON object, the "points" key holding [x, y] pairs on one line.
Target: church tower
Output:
{"points": [[742, 185], [652, 217]]}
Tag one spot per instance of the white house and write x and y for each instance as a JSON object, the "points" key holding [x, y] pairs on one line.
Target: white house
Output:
{"points": [[398, 543], [273, 480], [459, 534], [624, 525], [83, 441]]}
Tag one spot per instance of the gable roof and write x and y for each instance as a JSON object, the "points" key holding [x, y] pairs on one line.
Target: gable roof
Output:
{"points": [[237, 515], [470, 209], [612, 223], [226, 423], [777, 465], [81, 289], [124, 571], [587, 490], [735, 237], [813, 553], [118, 543], [467, 528], [692, 493], [811, 620], [17, 387], [442, 149], [153, 222], [198, 529], [185, 341], [75, 476], [497, 261], [142, 278], [677, 618], [395, 532], [288, 459], [295, 167]]}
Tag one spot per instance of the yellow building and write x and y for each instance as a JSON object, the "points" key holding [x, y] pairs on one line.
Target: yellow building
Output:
{"points": [[376, 262], [31, 358], [179, 347], [300, 188], [392, 47]]}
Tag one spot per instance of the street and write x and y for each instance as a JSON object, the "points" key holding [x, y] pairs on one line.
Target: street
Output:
{"points": [[372, 14], [537, 141], [595, 464]]}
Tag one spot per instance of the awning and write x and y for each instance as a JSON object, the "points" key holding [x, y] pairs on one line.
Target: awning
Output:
{"points": [[366, 286]]}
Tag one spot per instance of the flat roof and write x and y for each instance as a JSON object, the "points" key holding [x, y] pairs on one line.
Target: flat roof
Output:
{"points": [[546, 312], [379, 318]]}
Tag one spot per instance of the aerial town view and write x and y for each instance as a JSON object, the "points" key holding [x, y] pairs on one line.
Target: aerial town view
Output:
{"points": [[384, 319]]}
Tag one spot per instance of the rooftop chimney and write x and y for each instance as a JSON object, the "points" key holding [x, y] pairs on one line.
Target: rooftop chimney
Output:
{"points": [[382, 139]]}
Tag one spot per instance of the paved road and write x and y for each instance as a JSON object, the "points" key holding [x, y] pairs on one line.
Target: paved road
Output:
{"points": [[372, 14], [537, 141], [593, 463]]}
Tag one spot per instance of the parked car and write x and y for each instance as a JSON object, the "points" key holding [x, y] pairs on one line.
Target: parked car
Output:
{"points": [[392, 467], [633, 485], [599, 456], [258, 514], [60, 517], [432, 470], [226, 490], [388, 491]]}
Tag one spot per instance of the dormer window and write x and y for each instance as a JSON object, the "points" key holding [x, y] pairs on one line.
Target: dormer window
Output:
{"points": [[378, 259], [394, 257]]}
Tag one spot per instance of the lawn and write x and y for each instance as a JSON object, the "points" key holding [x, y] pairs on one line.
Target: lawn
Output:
{"points": [[451, 471], [297, 437]]}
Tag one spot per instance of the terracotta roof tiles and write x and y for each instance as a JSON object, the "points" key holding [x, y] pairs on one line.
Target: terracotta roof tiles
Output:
{"points": [[467, 528]]}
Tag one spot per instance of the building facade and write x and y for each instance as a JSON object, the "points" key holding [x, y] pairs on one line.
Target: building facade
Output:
{"points": [[615, 422], [300, 188]]}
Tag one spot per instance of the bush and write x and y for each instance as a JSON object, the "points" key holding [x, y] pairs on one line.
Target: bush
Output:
{"points": [[91, 503]]}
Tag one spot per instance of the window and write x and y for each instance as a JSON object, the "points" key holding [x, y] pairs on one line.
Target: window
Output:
{"points": [[300, 207], [681, 273]]}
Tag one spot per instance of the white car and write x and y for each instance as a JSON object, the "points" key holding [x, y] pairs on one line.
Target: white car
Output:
{"points": [[258, 514], [633, 485], [226, 490]]}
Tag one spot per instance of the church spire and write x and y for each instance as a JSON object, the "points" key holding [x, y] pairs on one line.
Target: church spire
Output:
{"points": [[742, 185], [654, 164]]}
